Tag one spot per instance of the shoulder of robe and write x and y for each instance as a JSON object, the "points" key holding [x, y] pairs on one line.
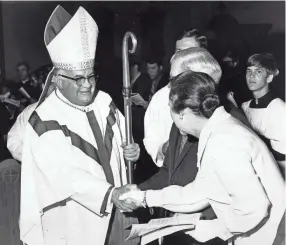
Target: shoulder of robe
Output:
{"points": [[104, 99], [277, 103], [231, 137], [245, 105]]}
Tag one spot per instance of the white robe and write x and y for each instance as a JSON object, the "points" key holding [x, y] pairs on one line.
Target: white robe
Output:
{"points": [[269, 122], [16, 134], [238, 177], [157, 124], [64, 191]]}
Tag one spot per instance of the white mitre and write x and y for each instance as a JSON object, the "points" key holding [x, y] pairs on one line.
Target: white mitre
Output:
{"points": [[71, 40]]}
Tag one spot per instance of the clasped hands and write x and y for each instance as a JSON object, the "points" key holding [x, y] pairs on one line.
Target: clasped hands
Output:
{"points": [[128, 198]]}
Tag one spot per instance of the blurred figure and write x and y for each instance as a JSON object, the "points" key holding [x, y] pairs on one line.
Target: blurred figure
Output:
{"points": [[223, 30], [157, 75], [266, 113], [8, 100], [27, 87], [41, 74], [191, 38], [233, 80]]}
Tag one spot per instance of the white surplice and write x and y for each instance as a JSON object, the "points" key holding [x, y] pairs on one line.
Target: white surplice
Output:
{"points": [[64, 188], [16, 134], [157, 123], [270, 122]]}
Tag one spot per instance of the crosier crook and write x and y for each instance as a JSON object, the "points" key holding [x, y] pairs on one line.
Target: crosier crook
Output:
{"points": [[126, 95]]}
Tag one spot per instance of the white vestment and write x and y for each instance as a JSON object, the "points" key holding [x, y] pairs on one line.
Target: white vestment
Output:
{"points": [[157, 124], [65, 191], [269, 121], [16, 134]]}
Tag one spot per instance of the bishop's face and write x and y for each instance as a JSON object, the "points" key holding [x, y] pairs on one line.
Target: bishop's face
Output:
{"points": [[78, 86]]}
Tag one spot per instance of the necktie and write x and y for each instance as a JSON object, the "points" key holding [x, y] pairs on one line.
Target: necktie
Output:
{"points": [[183, 142]]}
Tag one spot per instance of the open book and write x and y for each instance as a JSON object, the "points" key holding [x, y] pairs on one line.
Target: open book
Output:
{"points": [[157, 228], [136, 98]]}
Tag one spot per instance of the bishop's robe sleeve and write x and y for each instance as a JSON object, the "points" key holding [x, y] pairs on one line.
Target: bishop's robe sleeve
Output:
{"points": [[15, 137], [65, 177]]}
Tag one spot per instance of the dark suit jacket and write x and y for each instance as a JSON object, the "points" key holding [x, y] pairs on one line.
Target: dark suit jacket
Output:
{"points": [[176, 170], [142, 85]]}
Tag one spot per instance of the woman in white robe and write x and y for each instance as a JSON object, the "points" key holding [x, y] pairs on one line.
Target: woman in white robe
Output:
{"points": [[237, 175]]}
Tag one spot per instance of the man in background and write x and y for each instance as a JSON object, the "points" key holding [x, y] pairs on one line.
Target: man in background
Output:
{"points": [[157, 121], [156, 73], [28, 89]]}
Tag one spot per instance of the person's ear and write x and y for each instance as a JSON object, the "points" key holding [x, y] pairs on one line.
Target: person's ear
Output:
{"points": [[269, 78]]}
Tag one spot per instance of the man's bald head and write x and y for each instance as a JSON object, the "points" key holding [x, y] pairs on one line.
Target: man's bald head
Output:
{"points": [[195, 59]]}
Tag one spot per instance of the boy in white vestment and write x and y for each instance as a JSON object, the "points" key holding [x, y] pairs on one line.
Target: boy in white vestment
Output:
{"points": [[266, 113]]}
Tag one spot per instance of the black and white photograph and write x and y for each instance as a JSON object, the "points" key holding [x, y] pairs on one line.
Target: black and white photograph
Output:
{"points": [[142, 122]]}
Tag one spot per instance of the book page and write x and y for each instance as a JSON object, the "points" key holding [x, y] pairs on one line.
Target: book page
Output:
{"points": [[156, 224], [136, 98], [152, 236]]}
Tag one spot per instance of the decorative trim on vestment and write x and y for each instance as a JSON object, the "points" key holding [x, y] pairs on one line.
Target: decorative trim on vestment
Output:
{"points": [[42, 127], [75, 66], [105, 200], [84, 34]]}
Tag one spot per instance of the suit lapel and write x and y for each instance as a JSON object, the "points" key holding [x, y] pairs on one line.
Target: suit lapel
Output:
{"points": [[180, 158]]}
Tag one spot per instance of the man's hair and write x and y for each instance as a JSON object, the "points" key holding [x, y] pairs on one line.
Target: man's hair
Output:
{"points": [[154, 61], [264, 60], [198, 60], [23, 63], [201, 39]]}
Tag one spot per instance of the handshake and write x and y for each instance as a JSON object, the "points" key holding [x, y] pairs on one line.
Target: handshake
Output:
{"points": [[128, 198]]}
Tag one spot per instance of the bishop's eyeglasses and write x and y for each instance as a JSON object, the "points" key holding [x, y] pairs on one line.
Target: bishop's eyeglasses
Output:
{"points": [[80, 80]]}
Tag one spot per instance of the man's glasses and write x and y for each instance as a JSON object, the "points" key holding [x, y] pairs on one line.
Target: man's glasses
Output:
{"points": [[92, 79]]}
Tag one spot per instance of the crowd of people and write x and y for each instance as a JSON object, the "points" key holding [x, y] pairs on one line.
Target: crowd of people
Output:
{"points": [[198, 145]]}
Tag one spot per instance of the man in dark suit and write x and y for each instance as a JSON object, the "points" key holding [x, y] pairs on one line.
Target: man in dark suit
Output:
{"points": [[156, 73]]}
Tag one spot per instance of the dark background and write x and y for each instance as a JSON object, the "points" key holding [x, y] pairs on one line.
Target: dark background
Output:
{"points": [[156, 25]]}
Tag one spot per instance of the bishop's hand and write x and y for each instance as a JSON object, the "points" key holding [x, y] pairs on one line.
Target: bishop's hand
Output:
{"points": [[137, 197], [131, 152], [123, 205]]}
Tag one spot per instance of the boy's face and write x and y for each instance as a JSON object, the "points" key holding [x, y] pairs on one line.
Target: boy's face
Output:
{"points": [[256, 78]]}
